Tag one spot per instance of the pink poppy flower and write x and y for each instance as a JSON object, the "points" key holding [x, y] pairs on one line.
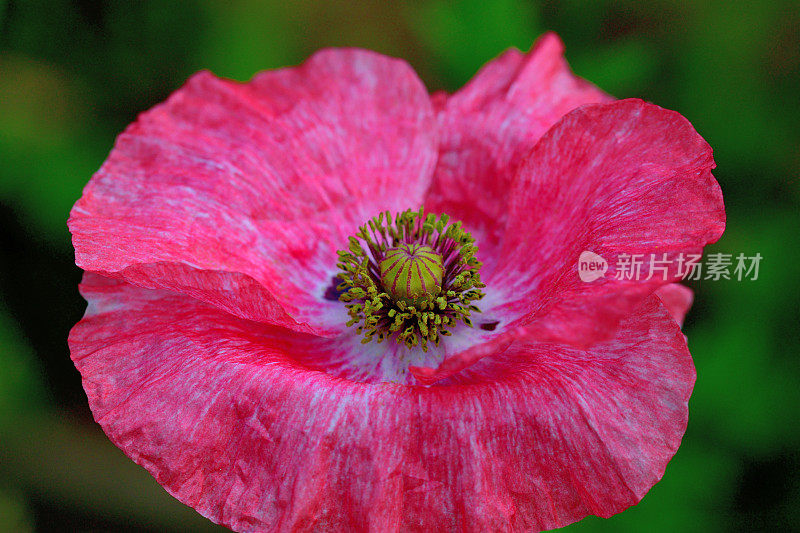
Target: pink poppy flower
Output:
{"points": [[506, 394]]}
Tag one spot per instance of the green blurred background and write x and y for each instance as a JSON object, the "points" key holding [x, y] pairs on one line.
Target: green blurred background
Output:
{"points": [[73, 74]]}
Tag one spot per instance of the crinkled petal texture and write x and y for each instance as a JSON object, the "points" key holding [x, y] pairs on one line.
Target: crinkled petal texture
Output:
{"points": [[491, 124], [624, 179], [217, 408], [620, 179], [211, 357], [240, 194]]}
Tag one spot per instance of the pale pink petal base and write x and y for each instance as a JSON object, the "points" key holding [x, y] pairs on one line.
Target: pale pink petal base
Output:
{"points": [[677, 299], [221, 413]]}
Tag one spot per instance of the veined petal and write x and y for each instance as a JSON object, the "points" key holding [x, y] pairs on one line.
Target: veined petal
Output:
{"points": [[240, 194], [677, 299], [621, 179], [491, 124], [218, 409]]}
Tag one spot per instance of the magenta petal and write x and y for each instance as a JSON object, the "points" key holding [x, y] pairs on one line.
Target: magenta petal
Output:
{"points": [[217, 409], [620, 178], [240, 194], [488, 127], [677, 299], [620, 407]]}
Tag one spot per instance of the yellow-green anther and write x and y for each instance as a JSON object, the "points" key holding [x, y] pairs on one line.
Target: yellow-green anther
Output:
{"points": [[412, 274]]}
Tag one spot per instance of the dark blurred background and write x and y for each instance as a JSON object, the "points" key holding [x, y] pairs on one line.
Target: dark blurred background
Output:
{"points": [[73, 74]]}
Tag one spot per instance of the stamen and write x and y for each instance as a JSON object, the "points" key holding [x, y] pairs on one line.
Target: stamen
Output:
{"points": [[410, 278]]}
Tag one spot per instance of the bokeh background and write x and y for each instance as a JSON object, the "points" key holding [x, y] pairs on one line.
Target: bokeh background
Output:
{"points": [[73, 74]]}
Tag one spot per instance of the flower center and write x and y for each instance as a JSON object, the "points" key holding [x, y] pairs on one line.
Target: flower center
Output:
{"points": [[410, 278]]}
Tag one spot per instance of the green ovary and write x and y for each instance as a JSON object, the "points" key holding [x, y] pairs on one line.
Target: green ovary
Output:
{"points": [[412, 273]]}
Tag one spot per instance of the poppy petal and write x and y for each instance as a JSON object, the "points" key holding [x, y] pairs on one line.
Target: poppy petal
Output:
{"points": [[677, 299], [220, 412], [625, 179], [240, 194], [621, 179], [488, 127]]}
